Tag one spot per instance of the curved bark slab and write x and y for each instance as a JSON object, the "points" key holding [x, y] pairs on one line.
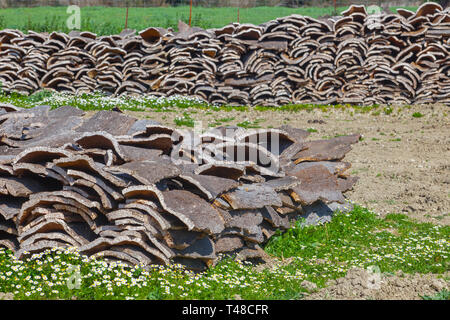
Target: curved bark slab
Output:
{"points": [[62, 198], [10, 207], [326, 150], [228, 244], [162, 142]]}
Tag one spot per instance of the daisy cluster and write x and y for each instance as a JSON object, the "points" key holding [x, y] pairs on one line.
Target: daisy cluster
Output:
{"points": [[101, 101]]}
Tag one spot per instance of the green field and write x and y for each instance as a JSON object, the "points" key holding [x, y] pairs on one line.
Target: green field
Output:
{"points": [[107, 20]]}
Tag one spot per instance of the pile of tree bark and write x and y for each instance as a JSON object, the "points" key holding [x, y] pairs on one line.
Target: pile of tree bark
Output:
{"points": [[139, 192], [358, 58]]}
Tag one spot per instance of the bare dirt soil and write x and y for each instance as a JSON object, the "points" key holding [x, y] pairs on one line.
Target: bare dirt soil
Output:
{"points": [[403, 161], [360, 284]]}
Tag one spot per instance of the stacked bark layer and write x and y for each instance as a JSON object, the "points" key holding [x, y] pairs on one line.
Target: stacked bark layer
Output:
{"points": [[357, 59], [139, 192]]}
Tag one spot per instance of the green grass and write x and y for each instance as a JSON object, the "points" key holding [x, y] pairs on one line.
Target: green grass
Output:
{"points": [[315, 253], [185, 121], [110, 20], [443, 295], [417, 115], [98, 101]]}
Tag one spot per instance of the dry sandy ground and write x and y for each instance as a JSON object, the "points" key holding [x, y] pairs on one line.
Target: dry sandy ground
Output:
{"points": [[403, 161], [359, 284]]}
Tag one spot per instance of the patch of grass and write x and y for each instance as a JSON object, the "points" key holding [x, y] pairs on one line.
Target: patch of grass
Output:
{"points": [[185, 121], [315, 253], [226, 119], [442, 295], [311, 130], [417, 115], [388, 110], [214, 124], [359, 238], [102, 101], [396, 140], [64, 274], [375, 139], [40, 95], [356, 171], [251, 124], [336, 136]]}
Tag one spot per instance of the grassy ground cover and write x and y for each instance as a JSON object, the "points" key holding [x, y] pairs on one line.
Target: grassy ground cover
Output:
{"points": [[314, 253], [98, 101], [110, 20]]}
